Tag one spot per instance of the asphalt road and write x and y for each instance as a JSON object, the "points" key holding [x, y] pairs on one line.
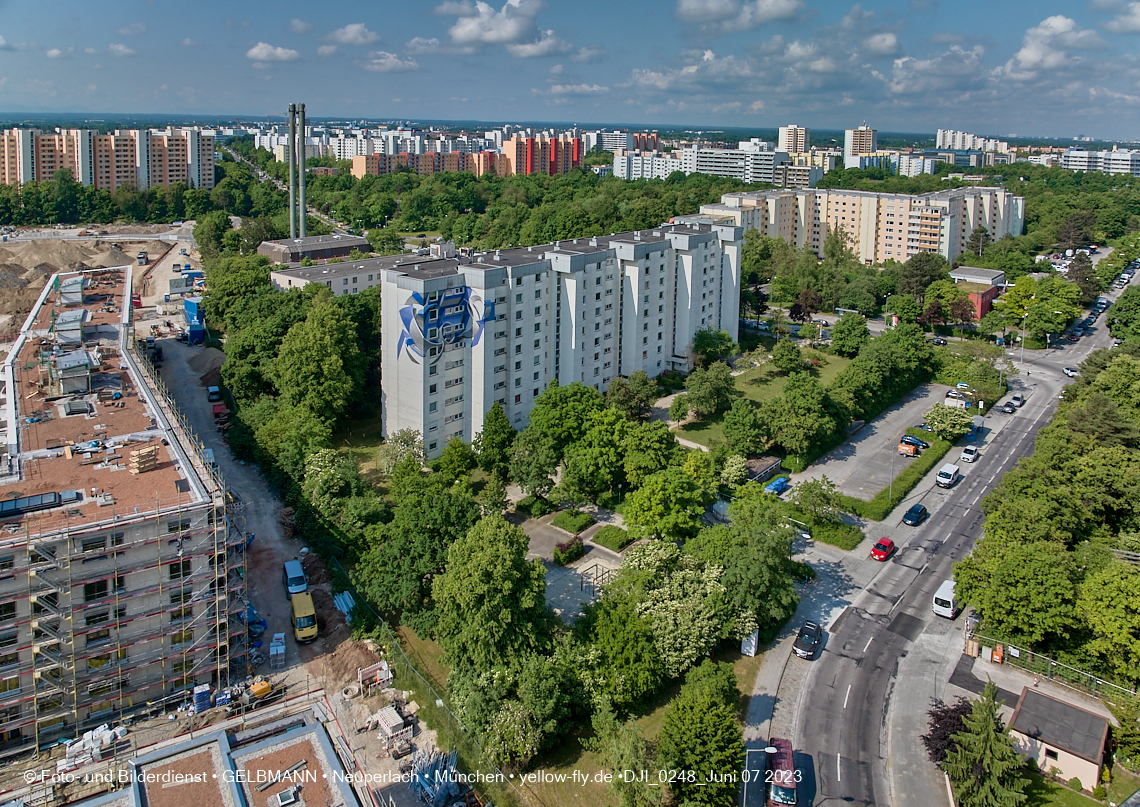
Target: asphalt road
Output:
{"points": [[843, 707]]}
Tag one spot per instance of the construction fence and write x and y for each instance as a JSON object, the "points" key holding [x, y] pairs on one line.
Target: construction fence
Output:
{"points": [[1052, 670], [499, 788]]}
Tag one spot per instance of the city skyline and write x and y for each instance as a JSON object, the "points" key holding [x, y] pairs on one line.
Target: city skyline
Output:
{"points": [[1052, 70]]}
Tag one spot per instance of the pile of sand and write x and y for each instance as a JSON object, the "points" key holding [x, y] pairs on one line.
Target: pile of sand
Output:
{"points": [[209, 359], [341, 664], [211, 379], [49, 255]]}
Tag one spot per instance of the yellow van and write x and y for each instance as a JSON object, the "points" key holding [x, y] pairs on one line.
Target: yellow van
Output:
{"points": [[304, 617]]}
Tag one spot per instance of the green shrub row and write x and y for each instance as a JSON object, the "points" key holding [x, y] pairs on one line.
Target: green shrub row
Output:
{"points": [[881, 506], [534, 506], [612, 537], [569, 551], [573, 521]]}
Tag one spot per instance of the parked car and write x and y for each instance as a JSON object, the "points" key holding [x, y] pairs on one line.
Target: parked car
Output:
{"points": [[1071, 372], [938, 340], [807, 642], [883, 549], [777, 486], [820, 322], [907, 450], [924, 427], [963, 385], [1074, 337], [955, 394], [1018, 400], [916, 515], [1007, 407], [914, 441], [969, 454]]}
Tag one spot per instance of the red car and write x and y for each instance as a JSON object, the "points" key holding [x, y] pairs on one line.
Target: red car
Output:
{"points": [[883, 549]]}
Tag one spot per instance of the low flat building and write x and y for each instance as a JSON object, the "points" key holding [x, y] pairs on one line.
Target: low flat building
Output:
{"points": [[1057, 734], [313, 247], [973, 274]]}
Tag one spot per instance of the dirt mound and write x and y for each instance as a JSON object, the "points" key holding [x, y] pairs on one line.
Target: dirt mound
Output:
{"points": [[56, 254], [315, 571], [12, 277], [211, 379], [209, 359], [340, 665], [330, 618]]}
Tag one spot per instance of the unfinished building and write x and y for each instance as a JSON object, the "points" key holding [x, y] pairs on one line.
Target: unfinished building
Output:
{"points": [[121, 575]]}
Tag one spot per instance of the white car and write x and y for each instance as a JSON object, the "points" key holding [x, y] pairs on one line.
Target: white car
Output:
{"points": [[955, 394], [969, 454], [1071, 372]]}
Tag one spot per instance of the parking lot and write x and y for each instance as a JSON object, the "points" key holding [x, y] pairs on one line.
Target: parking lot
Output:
{"points": [[863, 464]]}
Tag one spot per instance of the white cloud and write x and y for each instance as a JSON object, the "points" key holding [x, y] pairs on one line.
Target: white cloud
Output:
{"points": [[421, 45], [188, 42], [556, 70], [480, 24], [704, 70], [90, 51], [4, 44], [54, 53], [132, 29], [120, 50], [326, 50], [578, 89], [1127, 22], [300, 26], [588, 54], [454, 9], [884, 44], [546, 45], [759, 12], [379, 61], [956, 70], [1046, 47], [353, 34], [264, 52], [726, 16], [706, 10]]}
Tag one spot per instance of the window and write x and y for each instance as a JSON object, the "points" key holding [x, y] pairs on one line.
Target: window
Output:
{"points": [[518, 365], [178, 526], [98, 636], [518, 349], [431, 406], [1050, 754], [518, 298], [518, 398], [97, 618], [500, 334], [7, 563], [433, 370], [537, 294], [346, 281], [537, 359], [94, 591], [181, 614], [432, 445], [598, 296], [518, 382], [7, 611], [179, 569], [182, 637], [518, 315], [518, 332], [432, 389], [536, 343], [10, 685]]}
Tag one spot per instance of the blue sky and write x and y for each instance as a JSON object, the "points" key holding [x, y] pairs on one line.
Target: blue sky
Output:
{"points": [[1030, 68]]}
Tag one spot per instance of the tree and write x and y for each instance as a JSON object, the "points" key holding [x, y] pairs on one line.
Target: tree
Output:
{"points": [[679, 408], [809, 301], [561, 412], [978, 241], [920, 271], [491, 601], [949, 422], [735, 471], [905, 307], [533, 462], [1108, 601], [802, 419], [945, 720], [624, 749], [797, 313], [319, 365], [787, 357], [710, 389], [850, 334], [495, 443], [1082, 273], [743, 428], [984, 767], [1073, 231], [593, 464], [633, 398], [668, 504], [209, 232], [1100, 418], [699, 734], [818, 499], [398, 447], [630, 668], [710, 346], [457, 459], [649, 448]]}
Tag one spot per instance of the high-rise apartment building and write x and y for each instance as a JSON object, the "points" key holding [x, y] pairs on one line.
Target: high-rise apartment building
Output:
{"points": [[879, 226], [794, 139], [543, 155], [857, 142], [1116, 161], [964, 141], [119, 567], [140, 157]]}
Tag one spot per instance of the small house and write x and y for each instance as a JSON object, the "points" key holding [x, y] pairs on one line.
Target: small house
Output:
{"points": [[1057, 734]]}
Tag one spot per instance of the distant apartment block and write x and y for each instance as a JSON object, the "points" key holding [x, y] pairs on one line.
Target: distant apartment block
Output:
{"points": [[1116, 161], [964, 141], [754, 161], [857, 142], [794, 139], [645, 165], [879, 226], [144, 158], [909, 165]]}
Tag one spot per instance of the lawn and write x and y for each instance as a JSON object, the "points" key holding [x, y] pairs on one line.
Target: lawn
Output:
{"points": [[1043, 793], [1124, 784], [761, 384]]}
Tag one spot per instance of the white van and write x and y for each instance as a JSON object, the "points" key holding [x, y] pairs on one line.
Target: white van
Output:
{"points": [[293, 576], [947, 476], [944, 604]]}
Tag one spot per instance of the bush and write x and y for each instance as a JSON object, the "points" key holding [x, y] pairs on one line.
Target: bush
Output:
{"points": [[573, 521], [1075, 784], [1031, 764], [802, 572], [612, 537], [881, 506], [1099, 793], [569, 551], [534, 506], [840, 534]]}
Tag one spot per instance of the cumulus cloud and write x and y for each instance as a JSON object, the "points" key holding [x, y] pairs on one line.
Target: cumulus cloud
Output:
{"points": [[703, 70], [264, 52], [883, 44], [353, 34], [1046, 46], [54, 53], [546, 45], [421, 45], [480, 24], [188, 42], [90, 51], [725, 16], [380, 61], [1126, 22], [957, 70], [588, 54], [578, 89], [120, 50], [326, 50], [300, 26], [706, 10], [131, 30]]}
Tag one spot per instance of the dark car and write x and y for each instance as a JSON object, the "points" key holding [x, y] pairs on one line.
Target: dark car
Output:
{"points": [[916, 515], [1008, 408], [924, 427], [1074, 337], [808, 640], [938, 340], [914, 441]]}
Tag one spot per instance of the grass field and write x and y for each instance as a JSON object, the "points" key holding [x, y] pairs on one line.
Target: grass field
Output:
{"points": [[761, 384], [1043, 793]]}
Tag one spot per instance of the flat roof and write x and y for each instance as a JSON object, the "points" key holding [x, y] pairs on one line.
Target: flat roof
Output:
{"points": [[1055, 722], [974, 271], [315, 240]]}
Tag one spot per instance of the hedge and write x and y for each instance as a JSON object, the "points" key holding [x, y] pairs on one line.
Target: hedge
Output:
{"points": [[573, 521], [612, 537], [569, 551], [534, 506], [881, 506]]}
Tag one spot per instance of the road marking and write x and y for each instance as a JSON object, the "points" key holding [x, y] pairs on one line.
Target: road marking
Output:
{"points": [[848, 695], [992, 477], [975, 501], [838, 770], [868, 644], [921, 571]]}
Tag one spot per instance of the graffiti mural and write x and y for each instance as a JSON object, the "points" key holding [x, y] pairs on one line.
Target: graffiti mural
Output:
{"points": [[429, 326]]}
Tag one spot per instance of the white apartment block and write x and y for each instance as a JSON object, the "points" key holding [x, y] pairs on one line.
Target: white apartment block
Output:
{"points": [[909, 165], [462, 333], [612, 141], [345, 148], [1117, 161], [639, 165], [964, 141], [794, 139], [856, 142], [879, 226], [747, 166]]}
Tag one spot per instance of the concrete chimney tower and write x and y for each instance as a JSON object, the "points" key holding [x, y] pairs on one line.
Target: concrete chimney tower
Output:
{"points": [[301, 152], [292, 171]]}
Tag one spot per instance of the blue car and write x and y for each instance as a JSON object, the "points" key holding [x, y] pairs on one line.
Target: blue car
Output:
{"points": [[777, 486]]}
